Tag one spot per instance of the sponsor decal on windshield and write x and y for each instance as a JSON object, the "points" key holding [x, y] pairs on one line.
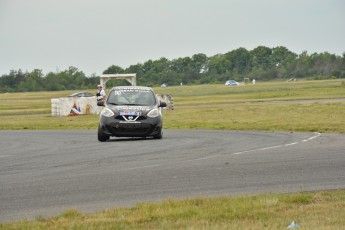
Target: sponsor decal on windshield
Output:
{"points": [[131, 90], [132, 108]]}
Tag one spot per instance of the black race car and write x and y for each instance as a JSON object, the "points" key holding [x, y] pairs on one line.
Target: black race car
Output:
{"points": [[131, 111]]}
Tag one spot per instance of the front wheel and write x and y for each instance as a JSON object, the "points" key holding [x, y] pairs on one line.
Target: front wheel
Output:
{"points": [[102, 137], [159, 136]]}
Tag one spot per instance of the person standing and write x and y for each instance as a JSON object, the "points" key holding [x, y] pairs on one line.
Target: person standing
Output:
{"points": [[100, 97]]}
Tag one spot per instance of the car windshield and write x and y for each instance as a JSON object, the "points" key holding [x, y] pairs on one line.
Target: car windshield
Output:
{"points": [[131, 96]]}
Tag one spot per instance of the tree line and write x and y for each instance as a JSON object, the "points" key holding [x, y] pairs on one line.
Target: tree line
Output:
{"points": [[262, 63]]}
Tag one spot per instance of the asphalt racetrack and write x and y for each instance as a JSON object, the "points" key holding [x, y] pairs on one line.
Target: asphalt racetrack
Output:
{"points": [[43, 173]]}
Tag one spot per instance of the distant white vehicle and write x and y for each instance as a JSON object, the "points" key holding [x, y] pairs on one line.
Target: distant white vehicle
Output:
{"points": [[163, 85], [231, 82], [82, 94]]}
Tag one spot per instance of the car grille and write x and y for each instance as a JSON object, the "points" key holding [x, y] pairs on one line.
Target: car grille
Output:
{"points": [[129, 129], [130, 118]]}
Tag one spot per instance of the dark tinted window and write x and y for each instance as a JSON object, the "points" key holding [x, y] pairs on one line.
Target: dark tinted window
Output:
{"points": [[132, 96]]}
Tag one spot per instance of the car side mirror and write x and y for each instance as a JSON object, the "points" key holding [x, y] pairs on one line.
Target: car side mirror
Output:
{"points": [[100, 103], [162, 104]]}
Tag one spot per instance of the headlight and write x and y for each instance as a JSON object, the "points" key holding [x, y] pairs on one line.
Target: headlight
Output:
{"points": [[107, 112], [153, 113]]}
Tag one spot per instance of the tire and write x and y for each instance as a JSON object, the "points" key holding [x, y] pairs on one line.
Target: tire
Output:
{"points": [[158, 136], [101, 136]]}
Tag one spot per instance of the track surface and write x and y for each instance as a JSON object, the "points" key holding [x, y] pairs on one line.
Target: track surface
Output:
{"points": [[43, 173]]}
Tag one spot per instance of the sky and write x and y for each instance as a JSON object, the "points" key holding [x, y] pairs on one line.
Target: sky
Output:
{"points": [[92, 35]]}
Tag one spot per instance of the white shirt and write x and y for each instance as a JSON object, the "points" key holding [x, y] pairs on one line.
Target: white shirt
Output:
{"points": [[102, 94]]}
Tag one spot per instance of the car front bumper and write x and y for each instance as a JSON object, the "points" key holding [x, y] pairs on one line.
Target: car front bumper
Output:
{"points": [[113, 127]]}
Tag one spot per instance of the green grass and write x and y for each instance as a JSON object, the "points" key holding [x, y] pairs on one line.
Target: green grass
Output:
{"points": [[222, 107], [320, 117], [317, 210], [250, 107]]}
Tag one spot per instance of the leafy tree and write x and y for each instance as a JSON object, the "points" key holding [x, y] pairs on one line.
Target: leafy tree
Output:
{"points": [[33, 81], [181, 65], [240, 61], [199, 62], [261, 57], [114, 69], [262, 63]]}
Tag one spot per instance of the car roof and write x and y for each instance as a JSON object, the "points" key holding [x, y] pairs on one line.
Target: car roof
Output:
{"points": [[132, 87]]}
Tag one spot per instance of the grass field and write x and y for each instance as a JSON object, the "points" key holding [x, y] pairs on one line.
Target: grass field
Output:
{"points": [[319, 210], [264, 106]]}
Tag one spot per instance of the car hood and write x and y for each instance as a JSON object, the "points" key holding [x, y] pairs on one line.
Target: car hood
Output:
{"points": [[127, 108]]}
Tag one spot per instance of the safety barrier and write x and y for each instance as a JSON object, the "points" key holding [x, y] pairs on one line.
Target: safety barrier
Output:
{"points": [[73, 106], [168, 99]]}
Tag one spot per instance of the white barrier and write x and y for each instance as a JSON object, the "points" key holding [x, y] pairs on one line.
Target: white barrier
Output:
{"points": [[55, 107], [73, 106], [168, 99]]}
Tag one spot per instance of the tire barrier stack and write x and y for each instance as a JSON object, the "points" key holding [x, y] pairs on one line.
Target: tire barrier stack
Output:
{"points": [[168, 99], [73, 106], [55, 107]]}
